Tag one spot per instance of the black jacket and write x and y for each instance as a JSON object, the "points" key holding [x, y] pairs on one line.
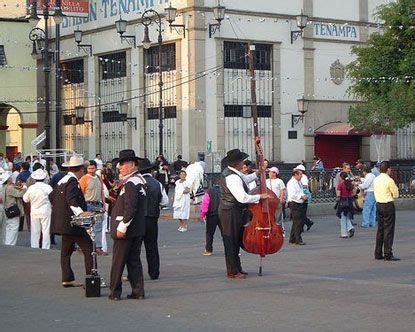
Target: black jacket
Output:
{"points": [[66, 194], [154, 196], [131, 205]]}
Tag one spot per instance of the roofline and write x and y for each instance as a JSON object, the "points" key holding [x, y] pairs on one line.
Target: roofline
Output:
{"points": [[19, 20]]}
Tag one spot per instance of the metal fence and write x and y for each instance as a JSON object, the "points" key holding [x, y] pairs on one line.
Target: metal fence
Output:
{"points": [[322, 183]]}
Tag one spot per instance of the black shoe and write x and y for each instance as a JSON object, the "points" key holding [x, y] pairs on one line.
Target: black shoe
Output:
{"points": [[351, 232], [311, 223], [135, 297], [114, 298], [379, 258], [154, 277], [392, 258], [300, 243]]}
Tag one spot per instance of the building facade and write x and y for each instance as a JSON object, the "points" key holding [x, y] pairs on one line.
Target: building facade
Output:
{"points": [[111, 98], [18, 84]]}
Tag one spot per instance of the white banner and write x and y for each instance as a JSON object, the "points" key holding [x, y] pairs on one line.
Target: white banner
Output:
{"points": [[336, 31], [39, 139]]}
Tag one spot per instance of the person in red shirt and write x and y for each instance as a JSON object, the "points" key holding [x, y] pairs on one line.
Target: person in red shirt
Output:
{"points": [[345, 191]]}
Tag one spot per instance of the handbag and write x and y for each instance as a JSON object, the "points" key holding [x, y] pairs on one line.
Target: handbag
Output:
{"points": [[12, 211], [344, 203]]}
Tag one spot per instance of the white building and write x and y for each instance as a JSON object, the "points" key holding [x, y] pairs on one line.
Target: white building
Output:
{"points": [[206, 94]]}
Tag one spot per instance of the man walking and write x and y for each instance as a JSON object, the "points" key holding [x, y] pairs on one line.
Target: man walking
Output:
{"points": [[128, 228], [296, 199], [156, 196], [386, 192]]}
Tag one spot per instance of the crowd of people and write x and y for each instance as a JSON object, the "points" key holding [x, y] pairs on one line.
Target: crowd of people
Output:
{"points": [[132, 190]]}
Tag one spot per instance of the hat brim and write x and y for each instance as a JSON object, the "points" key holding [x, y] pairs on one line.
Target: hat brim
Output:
{"points": [[4, 179], [122, 160], [74, 165], [234, 159]]}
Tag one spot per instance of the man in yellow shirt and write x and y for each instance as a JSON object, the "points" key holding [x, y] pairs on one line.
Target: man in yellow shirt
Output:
{"points": [[386, 192]]}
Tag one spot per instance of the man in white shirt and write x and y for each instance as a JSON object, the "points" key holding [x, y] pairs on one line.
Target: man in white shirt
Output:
{"points": [[233, 210], [304, 182], [369, 205], [40, 209], [98, 160], [296, 199]]}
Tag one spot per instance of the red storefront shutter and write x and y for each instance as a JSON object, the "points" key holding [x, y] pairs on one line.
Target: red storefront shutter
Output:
{"points": [[334, 150]]}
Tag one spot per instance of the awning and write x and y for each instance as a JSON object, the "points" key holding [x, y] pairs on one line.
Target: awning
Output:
{"points": [[339, 129]]}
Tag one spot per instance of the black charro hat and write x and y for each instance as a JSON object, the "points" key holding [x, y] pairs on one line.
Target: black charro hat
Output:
{"points": [[127, 155], [234, 156], [144, 164]]}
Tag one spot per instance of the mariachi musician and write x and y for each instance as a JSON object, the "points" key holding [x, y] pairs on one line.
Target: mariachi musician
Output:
{"points": [[67, 200], [128, 228], [233, 209]]}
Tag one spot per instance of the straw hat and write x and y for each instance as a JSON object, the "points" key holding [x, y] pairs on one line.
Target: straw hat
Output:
{"points": [[5, 176], [75, 161]]}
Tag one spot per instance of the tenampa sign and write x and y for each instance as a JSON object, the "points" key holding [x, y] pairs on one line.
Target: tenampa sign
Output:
{"points": [[336, 31]]}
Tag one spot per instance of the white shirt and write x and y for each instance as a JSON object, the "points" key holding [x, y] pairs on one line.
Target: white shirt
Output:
{"points": [[367, 184], [235, 186], [304, 180], [275, 185], [38, 196], [99, 162], [295, 191]]}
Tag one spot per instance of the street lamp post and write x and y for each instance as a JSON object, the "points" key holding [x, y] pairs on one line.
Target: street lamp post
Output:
{"points": [[40, 39], [151, 16]]}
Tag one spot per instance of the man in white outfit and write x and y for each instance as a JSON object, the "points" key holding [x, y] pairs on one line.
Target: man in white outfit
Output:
{"points": [[40, 209]]}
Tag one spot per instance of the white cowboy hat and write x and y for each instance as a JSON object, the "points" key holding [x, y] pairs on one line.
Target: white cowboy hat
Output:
{"points": [[74, 161], [5, 176], [39, 175]]}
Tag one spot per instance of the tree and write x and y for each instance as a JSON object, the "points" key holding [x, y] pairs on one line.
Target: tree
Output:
{"points": [[383, 73]]}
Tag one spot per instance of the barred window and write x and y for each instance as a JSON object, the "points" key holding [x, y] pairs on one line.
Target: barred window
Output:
{"points": [[170, 112], [235, 56], [168, 58], [244, 111], [72, 71], [3, 60], [113, 116], [113, 65]]}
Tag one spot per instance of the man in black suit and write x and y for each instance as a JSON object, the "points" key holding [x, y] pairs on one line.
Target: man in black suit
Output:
{"points": [[128, 228], [67, 200], [156, 196]]}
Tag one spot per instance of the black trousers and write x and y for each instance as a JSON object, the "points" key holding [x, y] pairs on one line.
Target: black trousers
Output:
{"points": [[306, 221], [68, 247], [297, 216], [211, 223], [127, 252], [385, 215], [232, 260], [151, 245]]}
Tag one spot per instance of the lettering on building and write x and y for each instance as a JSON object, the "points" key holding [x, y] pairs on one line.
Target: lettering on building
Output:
{"points": [[336, 31]]}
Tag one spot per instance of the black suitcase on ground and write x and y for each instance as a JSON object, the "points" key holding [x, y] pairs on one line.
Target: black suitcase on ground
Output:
{"points": [[93, 286]]}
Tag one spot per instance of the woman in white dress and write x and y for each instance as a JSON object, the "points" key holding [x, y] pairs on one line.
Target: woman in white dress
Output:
{"points": [[181, 203]]}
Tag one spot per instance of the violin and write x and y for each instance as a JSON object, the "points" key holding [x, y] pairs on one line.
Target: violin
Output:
{"points": [[263, 236]]}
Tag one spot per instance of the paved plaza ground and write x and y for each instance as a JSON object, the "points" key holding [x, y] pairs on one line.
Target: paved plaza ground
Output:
{"points": [[330, 284]]}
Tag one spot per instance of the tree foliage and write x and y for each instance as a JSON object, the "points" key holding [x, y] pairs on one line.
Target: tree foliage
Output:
{"points": [[384, 73]]}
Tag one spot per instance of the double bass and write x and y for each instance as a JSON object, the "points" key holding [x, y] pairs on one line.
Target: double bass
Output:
{"points": [[263, 236]]}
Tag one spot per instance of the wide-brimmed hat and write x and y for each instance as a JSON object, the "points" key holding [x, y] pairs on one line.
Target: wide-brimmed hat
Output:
{"points": [[127, 155], [234, 156], [274, 170], [5, 176], [74, 161], [39, 175], [144, 164]]}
